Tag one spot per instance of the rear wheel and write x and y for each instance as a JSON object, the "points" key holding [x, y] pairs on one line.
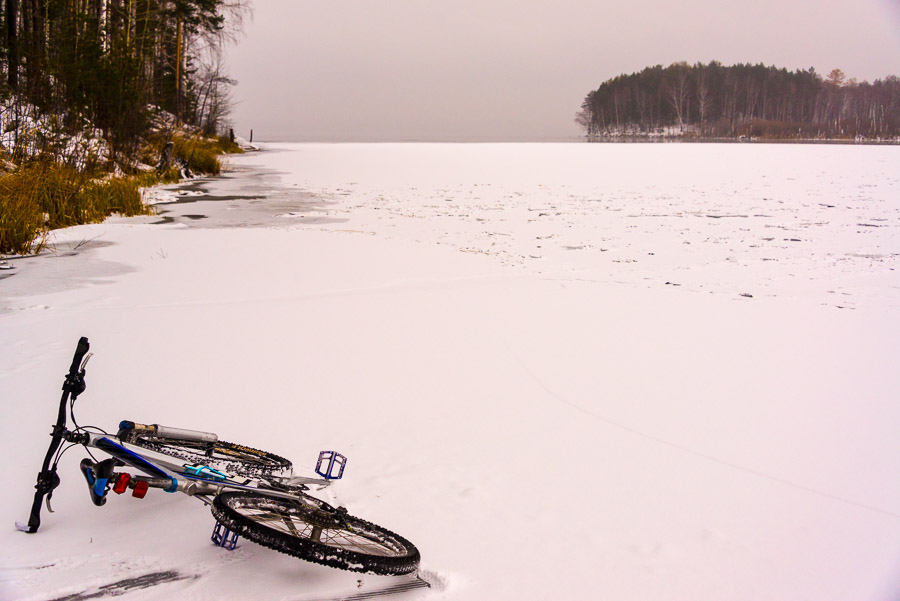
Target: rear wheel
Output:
{"points": [[228, 456], [312, 530]]}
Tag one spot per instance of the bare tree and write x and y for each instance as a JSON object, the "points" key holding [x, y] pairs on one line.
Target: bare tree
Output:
{"points": [[704, 99], [585, 119], [214, 95], [678, 90]]}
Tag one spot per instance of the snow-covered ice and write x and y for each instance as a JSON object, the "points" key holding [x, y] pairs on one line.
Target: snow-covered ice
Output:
{"points": [[574, 371]]}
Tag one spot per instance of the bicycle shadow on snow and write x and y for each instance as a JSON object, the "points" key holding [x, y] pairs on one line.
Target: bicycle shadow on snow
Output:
{"points": [[153, 579], [121, 587], [225, 574]]}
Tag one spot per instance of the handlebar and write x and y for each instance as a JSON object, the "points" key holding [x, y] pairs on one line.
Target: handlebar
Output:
{"points": [[80, 352], [47, 479], [74, 383]]}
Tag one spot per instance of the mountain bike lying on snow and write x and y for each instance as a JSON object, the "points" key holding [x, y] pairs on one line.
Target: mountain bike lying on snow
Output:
{"points": [[251, 492]]}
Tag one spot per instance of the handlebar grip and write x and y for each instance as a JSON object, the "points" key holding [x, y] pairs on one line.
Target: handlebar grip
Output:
{"points": [[80, 352]]}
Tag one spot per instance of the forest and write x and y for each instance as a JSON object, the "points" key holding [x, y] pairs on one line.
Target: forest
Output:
{"points": [[100, 63], [100, 99], [749, 101]]}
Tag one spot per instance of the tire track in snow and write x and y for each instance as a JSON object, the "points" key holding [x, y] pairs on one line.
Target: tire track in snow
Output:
{"points": [[402, 587], [690, 451]]}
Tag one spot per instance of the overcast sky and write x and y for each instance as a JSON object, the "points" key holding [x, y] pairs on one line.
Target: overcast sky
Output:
{"points": [[367, 70]]}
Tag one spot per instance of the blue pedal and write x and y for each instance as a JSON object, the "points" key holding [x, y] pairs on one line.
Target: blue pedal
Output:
{"points": [[331, 465], [223, 537]]}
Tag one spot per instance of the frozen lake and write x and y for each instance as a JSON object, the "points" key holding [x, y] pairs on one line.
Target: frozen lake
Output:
{"points": [[767, 220], [564, 371]]}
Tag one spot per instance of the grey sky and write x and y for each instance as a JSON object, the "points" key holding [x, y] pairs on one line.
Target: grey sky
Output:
{"points": [[514, 69]]}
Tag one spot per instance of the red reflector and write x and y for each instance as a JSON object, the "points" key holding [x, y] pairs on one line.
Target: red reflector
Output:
{"points": [[140, 489], [122, 483]]}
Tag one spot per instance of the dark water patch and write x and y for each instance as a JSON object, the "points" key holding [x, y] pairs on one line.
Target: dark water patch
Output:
{"points": [[314, 219], [249, 196], [6, 269], [215, 198], [195, 185]]}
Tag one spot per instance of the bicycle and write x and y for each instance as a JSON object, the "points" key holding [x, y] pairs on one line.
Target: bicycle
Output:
{"points": [[251, 493]]}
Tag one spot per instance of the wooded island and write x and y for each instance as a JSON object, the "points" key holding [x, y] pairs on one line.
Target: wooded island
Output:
{"points": [[709, 101]]}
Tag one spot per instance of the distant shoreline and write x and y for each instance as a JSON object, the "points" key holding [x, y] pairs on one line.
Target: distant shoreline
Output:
{"points": [[425, 140], [624, 139], [761, 140]]}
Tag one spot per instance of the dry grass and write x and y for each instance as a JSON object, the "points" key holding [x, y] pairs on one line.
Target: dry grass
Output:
{"points": [[201, 154], [44, 195]]}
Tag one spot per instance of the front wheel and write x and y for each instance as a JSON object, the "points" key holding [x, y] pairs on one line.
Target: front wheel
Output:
{"points": [[231, 457], [311, 530]]}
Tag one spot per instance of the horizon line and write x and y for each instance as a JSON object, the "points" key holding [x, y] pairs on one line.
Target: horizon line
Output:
{"points": [[415, 139]]}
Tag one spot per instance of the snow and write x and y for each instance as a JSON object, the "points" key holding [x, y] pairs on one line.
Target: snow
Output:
{"points": [[24, 128], [650, 372]]}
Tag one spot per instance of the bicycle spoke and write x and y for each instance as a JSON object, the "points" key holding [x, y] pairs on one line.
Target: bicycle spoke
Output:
{"points": [[296, 525]]}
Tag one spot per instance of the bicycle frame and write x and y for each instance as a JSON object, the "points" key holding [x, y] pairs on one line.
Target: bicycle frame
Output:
{"points": [[192, 479]]}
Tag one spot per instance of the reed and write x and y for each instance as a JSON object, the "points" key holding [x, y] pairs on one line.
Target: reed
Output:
{"points": [[43, 195], [202, 154]]}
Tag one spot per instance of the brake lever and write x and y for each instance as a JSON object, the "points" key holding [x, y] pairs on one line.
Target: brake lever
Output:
{"points": [[51, 481]]}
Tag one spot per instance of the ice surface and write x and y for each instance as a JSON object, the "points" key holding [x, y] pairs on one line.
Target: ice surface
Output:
{"points": [[562, 371]]}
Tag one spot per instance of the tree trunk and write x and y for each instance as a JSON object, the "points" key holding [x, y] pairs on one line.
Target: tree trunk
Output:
{"points": [[12, 42], [38, 42], [178, 42]]}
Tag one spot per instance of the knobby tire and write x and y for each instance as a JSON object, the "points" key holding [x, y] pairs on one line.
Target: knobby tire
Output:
{"points": [[230, 457], [312, 531]]}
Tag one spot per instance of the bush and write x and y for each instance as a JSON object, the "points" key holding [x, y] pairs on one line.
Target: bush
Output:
{"points": [[201, 154], [226, 146], [118, 195], [45, 195], [21, 219]]}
